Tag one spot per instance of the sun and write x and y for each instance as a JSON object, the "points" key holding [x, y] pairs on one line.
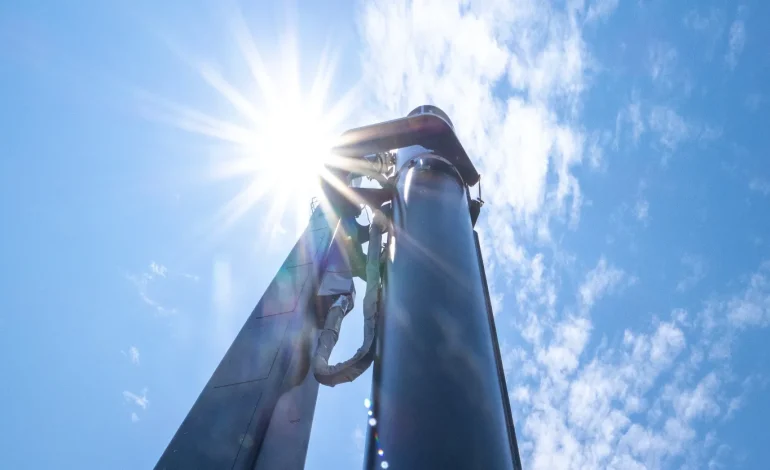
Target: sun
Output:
{"points": [[283, 159], [276, 145], [295, 140]]}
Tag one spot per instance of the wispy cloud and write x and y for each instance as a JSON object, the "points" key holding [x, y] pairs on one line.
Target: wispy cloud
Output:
{"points": [[696, 271], [754, 100], [191, 277], [429, 52], [596, 144], [709, 25], [637, 403], [673, 130], [132, 354], [700, 21], [599, 281], [642, 210], [512, 76], [158, 269], [600, 10], [670, 126], [760, 185], [631, 115], [134, 417], [156, 272], [663, 58], [751, 308], [142, 283], [139, 400], [736, 40], [667, 71], [577, 410]]}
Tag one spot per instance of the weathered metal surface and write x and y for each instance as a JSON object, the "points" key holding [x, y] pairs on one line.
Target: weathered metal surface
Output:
{"points": [[437, 397], [428, 130], [256, 410]]}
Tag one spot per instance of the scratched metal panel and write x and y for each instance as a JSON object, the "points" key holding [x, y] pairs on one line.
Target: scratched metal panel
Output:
{"points": [[283, 293], [212, 434], [252, 354], [291, 421], [227, 424], [319, 220], [315, 242]]}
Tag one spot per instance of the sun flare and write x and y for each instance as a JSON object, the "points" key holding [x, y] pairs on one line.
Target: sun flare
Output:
{"points": [[275, 145], [285, 156]]}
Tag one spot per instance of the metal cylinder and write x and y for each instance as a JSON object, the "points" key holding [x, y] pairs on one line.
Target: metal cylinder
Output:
{"points": [[437, 400]]}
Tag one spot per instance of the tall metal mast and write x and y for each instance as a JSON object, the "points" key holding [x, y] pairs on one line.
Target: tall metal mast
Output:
{"points": [[439, 397]]}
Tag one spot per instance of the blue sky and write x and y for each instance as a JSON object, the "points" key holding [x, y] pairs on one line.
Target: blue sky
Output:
{"points": [[623, 148]]}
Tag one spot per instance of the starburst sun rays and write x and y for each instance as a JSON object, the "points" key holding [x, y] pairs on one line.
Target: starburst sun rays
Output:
{"points": [[279, 143]]}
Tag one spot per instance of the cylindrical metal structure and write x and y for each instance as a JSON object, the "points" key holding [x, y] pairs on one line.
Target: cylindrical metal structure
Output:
{"points": [[437, 399]]}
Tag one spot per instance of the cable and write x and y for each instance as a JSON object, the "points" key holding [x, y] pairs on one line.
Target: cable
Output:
{"points": [[348, 371]]}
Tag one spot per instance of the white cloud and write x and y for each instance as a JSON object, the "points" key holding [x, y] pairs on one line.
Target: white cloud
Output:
{"points": [[696, 271], [697, 402], [663, 58], [512, 75], [490, 265], [139, 400], [737, 41], [670, 126], [665, 70], [587, 415], [709, 25], [638, 403], [521, 394], [455, 54], [155, 273], [738, 401], [632, 115], [708, 133], [751, 308], [637, 124], [595, 151], [642, 210], [760, 185], [600, 280], [700, 22], [133, 354], [594, 416], [723, 319], [142, 283], [754, 101], [674, 130], [600, 10], [667, 341], [158, 269], [134, 417], [563, 354]]}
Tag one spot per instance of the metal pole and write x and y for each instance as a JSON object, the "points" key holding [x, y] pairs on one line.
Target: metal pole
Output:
{"points": [[437, 397]]}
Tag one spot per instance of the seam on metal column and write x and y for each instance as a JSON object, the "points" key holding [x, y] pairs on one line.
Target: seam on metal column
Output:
{"points": [[285, 342], [241, 383], [248, 425], [498, 360]]}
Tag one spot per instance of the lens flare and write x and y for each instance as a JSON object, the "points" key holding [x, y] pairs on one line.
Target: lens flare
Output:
{"points": [[277, 144]]}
